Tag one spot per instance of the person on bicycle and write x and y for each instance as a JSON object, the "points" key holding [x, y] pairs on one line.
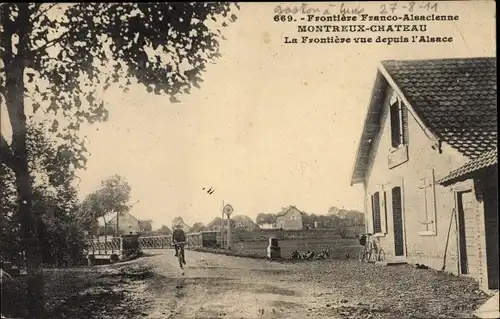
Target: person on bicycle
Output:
{"points": [[178, 235]]}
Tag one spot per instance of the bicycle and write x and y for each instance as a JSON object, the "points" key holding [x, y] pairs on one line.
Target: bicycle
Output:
{"points": [[365, 254], [180, 253], [371, 252], [381, 255]]}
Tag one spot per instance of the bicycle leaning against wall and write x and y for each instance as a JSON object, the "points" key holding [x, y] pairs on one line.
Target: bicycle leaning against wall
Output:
{"points": [[371, 251]]}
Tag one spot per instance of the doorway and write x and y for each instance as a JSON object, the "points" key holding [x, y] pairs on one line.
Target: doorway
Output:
{"points": [[467, 233]]}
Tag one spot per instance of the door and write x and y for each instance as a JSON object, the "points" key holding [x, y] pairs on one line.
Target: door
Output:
{"points": [[397, 221], [467, 233], [490, 200]]}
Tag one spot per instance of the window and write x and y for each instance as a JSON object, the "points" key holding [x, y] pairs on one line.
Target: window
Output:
{"points": [[428, 212], [397, 123], [377, 227]]}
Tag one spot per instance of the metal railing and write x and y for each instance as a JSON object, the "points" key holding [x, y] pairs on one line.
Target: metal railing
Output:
{"points": [[105, 245], [155, 242]]}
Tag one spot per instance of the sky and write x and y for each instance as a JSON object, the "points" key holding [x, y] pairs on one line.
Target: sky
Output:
{"points": [[273, 124]]}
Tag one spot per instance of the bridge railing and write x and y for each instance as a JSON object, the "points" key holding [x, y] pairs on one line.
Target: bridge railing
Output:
{"points": [[155, 242], [193, 240], [104, 245]]}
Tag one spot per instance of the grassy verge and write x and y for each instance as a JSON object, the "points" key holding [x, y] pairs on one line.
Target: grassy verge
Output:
{"points": [[228, 252], [83, 292], [339, 248]]}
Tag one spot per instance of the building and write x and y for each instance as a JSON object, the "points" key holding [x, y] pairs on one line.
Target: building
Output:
{"points": [[268, 226], [289, 219], [127, 224], [429, 136]]}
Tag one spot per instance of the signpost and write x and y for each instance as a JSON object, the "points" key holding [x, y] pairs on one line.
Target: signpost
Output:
{"points": [[228, 210]]}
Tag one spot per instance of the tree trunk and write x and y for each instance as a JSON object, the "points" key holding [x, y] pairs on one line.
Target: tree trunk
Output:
{"points": [[14, 96]]}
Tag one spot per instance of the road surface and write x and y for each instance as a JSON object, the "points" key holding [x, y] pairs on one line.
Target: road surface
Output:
{"points": [[218, 286]]}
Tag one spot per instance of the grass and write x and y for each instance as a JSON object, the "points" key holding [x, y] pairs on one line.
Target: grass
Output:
{"points": [[80, 292], [339, 247]]}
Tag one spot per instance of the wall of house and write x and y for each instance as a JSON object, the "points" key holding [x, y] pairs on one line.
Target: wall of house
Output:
{"points": [[486, 195], [427, 247], [126, 224], [292, 220]]}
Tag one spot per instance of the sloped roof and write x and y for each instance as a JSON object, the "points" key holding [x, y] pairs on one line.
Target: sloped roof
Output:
{"points": [[283, 213], [454, 98], [113, 219], [485, 160]]}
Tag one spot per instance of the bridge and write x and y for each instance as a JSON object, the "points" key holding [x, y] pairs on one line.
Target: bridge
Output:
{"points": [[117, 248]]}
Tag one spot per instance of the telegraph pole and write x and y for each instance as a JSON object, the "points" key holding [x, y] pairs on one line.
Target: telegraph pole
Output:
{"points": [[228, 210], [222, 225]]}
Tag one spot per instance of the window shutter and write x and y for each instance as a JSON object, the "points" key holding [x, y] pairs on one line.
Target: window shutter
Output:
{"points": [[397, 211], [383, 212], [369, 215], [376, 213], [404, 120], [395, 124]]}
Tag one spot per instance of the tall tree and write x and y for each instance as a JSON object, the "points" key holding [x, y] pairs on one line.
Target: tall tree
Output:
{"points": [[112, 197], [177, 220], [59, 55], [260, 219]]}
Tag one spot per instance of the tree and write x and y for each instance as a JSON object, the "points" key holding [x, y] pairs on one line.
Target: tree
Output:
{"points": [[54, 201], [341, 227], [164, 230], [111, 198], [197, 227], [264, 218], [260, 219], [333, 210], [177, 220], [60, 61], [146, 225]]}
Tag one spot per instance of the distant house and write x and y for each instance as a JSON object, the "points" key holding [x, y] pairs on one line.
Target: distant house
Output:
{"points": [[427, 161], [127, 224], [290, 219]]}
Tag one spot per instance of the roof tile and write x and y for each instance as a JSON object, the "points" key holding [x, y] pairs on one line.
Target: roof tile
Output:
{"points": [[485, 160], [456, 98]]}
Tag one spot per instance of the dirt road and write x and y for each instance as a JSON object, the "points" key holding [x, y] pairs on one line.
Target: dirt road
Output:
{"points": [[218, 286]]}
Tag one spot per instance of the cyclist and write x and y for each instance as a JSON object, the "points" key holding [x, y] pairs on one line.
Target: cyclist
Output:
{"points": [[178, 235]]}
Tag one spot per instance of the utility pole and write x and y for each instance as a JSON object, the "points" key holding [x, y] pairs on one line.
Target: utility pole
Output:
{"points": [[228, 210], [222, 225]]}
